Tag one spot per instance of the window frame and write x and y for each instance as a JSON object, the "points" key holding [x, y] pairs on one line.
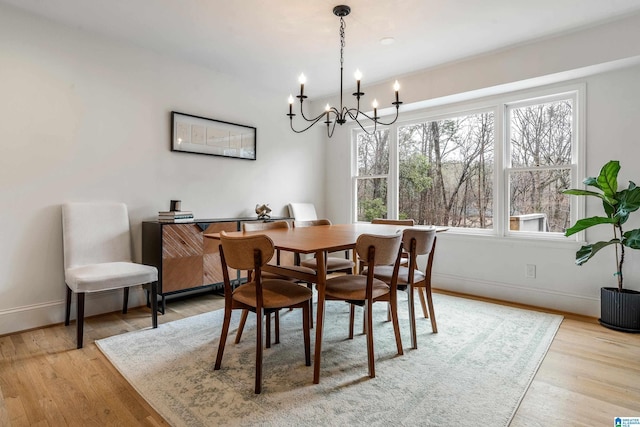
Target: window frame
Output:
{"points": [[498, 105]]}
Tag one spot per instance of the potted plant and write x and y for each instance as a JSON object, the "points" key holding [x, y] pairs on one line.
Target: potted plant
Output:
{"points": [[619, 307]]}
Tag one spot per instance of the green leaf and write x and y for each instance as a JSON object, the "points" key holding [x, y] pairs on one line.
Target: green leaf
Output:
{"points": [[592, 182], [631, 239], [585, 223], [608, 179], [629, 199], [579, 192], [608, 209], [587, 252]]}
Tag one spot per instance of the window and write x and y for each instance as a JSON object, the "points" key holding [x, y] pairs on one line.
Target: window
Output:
{"points": [[446, 171], [540, 139], [373, 175], [494, 167]]}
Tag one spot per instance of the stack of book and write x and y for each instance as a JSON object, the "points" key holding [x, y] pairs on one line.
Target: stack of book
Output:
{"points": [[175, 216]]}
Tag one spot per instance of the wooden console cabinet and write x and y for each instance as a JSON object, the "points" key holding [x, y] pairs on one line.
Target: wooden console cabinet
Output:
{"points": [[184, 258]]}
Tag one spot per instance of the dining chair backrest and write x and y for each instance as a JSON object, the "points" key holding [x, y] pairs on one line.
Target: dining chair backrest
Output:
{"points": [[303, 211], [239, 252], [95, 232], [386, 247], [259, 225], [409, 222], [311, 223], [424, 239]]}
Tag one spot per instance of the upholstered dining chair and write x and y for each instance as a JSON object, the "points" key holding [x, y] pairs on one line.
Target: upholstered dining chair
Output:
{"points": [[419, 242], [270, 225], [364, 290], [333, 264], [97, 257], [261, 296]]}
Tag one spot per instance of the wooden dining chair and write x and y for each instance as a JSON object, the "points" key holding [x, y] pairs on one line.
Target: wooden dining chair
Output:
{"points": [[410, 222], [364, 290], [261, 296], [419, 242], [333, 264], [271, 225]]}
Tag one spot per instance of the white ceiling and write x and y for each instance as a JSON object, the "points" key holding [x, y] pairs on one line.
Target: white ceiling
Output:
{"points": [[272, 41]]}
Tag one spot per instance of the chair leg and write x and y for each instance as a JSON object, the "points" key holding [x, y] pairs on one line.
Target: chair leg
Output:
{"points": [[352, 318], [310, 286], [125, 301], [364, 322], [80, 318], [370, 353], [434, 327], [154, 304], [306, 323], [223, 337], [268, 332], [243, 320], [277, 326], [67, 315], [424, 305], [393, 307], [412, 315], [259, 317]]}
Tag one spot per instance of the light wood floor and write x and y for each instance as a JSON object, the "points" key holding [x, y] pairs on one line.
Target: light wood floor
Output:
{"points": [[590, 375]]}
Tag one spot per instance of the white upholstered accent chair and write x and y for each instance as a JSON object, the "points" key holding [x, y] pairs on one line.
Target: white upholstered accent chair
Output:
{"points": [[261, 296], [302, 211], [97, 256], [364, 290], [304, 215]]}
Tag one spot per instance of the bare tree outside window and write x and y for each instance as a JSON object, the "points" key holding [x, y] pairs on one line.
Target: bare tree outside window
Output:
{"points": [[541, 139], [446, 171], [373, 172]]}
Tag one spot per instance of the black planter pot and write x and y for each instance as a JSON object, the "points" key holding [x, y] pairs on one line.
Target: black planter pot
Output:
{"points": [[620, 310]]}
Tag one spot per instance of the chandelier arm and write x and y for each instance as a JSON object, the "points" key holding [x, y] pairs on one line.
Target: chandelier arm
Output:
{"points": [[313, 122], [373, 119], [315, 119], [330, 133]]}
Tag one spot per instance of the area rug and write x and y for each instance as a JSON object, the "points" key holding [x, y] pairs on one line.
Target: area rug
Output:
{"points": [[474, 371]]}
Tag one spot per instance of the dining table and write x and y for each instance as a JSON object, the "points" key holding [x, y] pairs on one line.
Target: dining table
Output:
{"points": [[317, 240]]}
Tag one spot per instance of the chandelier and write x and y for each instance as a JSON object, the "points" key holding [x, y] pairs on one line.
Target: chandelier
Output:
{"points": [[333, 115]]}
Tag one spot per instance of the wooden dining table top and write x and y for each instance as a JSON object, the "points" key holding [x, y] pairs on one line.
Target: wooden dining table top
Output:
{"points": [[330, 238]]}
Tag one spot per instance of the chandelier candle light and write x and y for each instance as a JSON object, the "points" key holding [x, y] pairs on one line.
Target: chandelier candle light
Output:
{"points": [[340, 115]]}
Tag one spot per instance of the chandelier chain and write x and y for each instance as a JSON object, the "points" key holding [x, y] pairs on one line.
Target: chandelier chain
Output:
{"points": [[342, 26]]}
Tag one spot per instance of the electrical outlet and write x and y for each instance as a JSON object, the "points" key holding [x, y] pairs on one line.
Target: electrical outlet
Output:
{"points": [[530, 271]]}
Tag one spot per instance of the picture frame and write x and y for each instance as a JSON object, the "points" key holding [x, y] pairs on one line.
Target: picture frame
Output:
{"points": [[201, 135]]}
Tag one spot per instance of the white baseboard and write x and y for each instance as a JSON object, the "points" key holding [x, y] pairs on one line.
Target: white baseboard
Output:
{"points": [[49, 313], [544, 298], [39, 315]]}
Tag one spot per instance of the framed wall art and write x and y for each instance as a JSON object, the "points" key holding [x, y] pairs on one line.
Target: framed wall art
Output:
{"points": [[193, 134]]}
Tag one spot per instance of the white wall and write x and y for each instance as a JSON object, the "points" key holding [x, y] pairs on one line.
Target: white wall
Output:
{"points": [[605, 59], [85, 118]]}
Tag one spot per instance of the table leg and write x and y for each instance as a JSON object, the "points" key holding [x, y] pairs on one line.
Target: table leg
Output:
{"points": [[321, 285]]}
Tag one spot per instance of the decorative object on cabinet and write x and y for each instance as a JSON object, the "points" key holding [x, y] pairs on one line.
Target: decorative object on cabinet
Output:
{"points": [[193, 134], [185, 260], [263, 211]]}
